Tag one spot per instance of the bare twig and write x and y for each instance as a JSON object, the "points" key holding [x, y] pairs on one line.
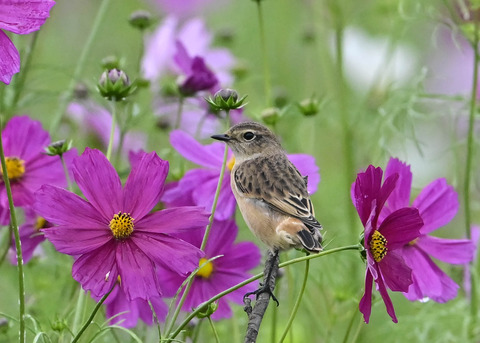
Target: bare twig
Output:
{"points": [[255, 314]]}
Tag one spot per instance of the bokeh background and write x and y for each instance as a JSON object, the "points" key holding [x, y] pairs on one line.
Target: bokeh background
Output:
{"points": [[390, 78]]}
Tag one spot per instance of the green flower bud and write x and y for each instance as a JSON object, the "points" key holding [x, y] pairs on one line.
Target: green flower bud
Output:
{"points": [[240, 70], [58, 148], [110, 62], [140, 19], [226, 99], [80, 91], [309, 107], [59, 325], [4, 325], [270, 116], [115, 85], [207, 310]]}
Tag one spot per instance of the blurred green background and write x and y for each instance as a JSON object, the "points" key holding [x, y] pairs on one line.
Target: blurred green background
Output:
{"points": [[364, 107]]}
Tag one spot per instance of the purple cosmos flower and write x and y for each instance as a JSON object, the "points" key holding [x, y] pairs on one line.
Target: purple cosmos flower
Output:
{"points": [[200, 184], [20, 17], [219, 274], [28, 166], [437, 204], [113, 234], [197, 76], [127, 312], [160, 49], [383, 239], [91, 117], [30, 236]]}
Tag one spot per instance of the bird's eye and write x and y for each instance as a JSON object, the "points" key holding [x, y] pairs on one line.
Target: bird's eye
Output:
{"points": [[249, 136]]}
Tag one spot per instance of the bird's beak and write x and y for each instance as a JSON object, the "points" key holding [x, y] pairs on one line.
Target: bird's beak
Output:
{"points": [[224, 138]]}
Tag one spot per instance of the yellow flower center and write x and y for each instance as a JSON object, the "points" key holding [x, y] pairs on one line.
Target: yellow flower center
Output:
{"points": [[40, 223], [15, 168], [378, 246], [413, 242], [206, 270], [121, 225], [231, 163]]}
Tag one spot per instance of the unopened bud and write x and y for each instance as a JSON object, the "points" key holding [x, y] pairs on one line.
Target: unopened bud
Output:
{"points": [[115, 85], [309, 107], [110, 62], [80, 91], [58, 147], [270, 116], [226, 99], [140, 19], [207, 310]]}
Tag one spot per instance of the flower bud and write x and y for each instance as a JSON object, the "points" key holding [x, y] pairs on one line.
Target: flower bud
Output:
{"points": [[115, 85], [59, 325], [4, 325], [140, 19], [309, 107], [58, 148], [80, 92], [110, 62], [226, 99], [207, 310], [271, 115]]}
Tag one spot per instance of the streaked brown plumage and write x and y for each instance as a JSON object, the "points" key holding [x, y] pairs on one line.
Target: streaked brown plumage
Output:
{"points": [[271, 193]]}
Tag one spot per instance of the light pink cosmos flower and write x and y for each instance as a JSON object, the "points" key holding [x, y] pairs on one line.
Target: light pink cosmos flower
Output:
{"points": [[20, 17], [160, 48]]}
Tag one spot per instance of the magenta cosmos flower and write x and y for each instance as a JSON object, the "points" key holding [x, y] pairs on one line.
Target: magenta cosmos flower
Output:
{"points": [[30, 236], [160, 49], [220, 274], [437, 204], [126, 312], [28, 167], [200, 184], [20, 17], [113, 233], [383, 240]]}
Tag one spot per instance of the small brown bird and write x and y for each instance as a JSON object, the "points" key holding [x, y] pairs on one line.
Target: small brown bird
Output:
{"points": [[271, 193]]}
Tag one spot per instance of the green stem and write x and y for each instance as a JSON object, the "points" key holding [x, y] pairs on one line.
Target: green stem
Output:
{"points": [[65, 170], [178, 120], [297, 302], [215, 199], [79, 310], [27, 62], [77, 73], [194, 313], [263, 43], [7, 237], [92, 315], [112, 130], [468, 175], [18, 245], [217, 339]]}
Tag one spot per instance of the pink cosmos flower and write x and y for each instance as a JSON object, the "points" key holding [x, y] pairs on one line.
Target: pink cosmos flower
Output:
{"points": [[437, 204], [200, 184], [220, 274], [127, 312], [30, 236], [28, 167], [383, 239], [94, 118], [113, 233], [20, 17], [160, 49]]}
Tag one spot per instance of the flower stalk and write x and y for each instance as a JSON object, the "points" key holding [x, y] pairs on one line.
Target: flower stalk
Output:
{"points": [[112, 130], [18, 246], [263, 44], [195, 312]]}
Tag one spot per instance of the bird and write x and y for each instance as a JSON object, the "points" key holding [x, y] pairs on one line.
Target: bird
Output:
{"points": [[271, 193]]}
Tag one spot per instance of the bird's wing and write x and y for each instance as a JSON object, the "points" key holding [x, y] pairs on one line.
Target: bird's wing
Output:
{"points": [[276, 181]]}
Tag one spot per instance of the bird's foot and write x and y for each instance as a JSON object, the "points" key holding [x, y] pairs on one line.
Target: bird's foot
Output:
{"points": [[263, 289]]}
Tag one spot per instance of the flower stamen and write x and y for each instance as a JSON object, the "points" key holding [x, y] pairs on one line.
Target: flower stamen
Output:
{"points": [[121, 225], [15, 168], [40, 223], [378, 246], [206, 270]]}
